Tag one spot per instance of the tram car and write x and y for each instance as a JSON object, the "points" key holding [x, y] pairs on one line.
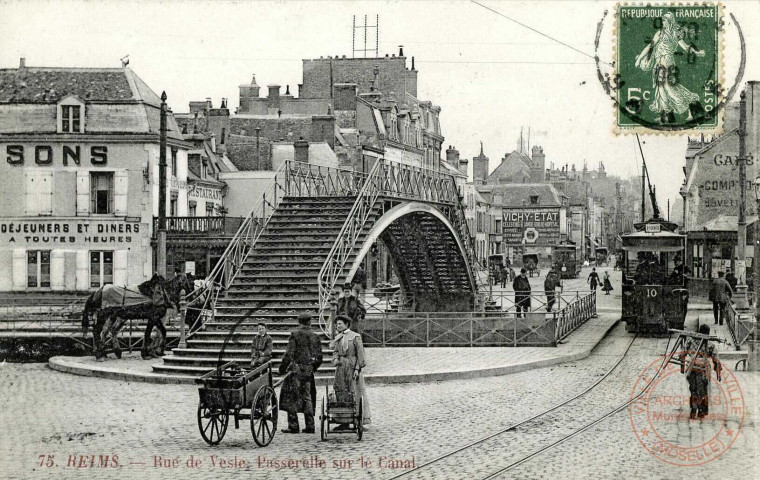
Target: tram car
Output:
{"points": [[655, 290], [565, 257]]}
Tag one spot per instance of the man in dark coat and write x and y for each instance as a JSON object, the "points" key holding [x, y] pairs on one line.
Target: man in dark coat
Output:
{"points": [[721, 294], [359, 283], [503, 275], [550, 285], [352, 307], [698, 375], [731, 279], [521, 286], [593, 279], [302, 359]]}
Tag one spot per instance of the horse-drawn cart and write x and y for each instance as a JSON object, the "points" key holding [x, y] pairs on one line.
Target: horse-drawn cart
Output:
{"points": [[244, 394]]}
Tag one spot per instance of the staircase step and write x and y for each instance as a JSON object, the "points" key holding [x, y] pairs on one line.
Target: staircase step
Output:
{"points": [[197, 371]]}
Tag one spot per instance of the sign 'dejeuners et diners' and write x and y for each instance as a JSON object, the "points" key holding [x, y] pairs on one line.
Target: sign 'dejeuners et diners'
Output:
{"points": [[40, 232]]}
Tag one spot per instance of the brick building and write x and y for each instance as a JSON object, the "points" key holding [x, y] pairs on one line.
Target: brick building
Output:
{"points": [[80, 180]]}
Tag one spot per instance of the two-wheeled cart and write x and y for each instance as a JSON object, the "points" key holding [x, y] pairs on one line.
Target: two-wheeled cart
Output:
{"points": [[230, 390]]}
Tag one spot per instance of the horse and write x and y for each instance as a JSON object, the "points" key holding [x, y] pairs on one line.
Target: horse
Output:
{"points": [[112, 305], [174, 287]]}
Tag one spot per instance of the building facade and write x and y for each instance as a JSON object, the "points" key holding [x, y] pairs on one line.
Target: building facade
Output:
{"points": [[80, 177]]}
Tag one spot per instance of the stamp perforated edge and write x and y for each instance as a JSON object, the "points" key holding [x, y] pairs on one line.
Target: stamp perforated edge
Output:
{"points": [[643, 130]]}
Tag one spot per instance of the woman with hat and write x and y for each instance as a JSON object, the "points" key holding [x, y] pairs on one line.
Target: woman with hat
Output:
{"points": [[349, 361]]}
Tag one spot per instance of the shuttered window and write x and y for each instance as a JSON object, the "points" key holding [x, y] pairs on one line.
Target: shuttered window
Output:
{"points": [[39, 192]]}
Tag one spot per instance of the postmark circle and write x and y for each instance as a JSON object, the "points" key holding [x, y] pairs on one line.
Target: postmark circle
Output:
{"points": [[660, 415]]}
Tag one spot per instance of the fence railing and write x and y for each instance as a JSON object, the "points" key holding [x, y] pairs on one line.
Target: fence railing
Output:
{"points": [[387, 324], [208, 226], [464, 329], [575, 314], [741, 326]]}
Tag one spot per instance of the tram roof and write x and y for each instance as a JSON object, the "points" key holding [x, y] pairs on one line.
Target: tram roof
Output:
{"points": [[662, 241]]}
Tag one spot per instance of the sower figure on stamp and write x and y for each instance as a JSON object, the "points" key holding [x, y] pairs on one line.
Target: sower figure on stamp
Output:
{"points": [[550, 285], [302, 359], [521, 286], [261, 347], [698, 375], [349, 360], [659, 56]]}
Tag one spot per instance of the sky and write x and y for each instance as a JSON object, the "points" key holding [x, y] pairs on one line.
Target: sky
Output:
{"points": [[491, 76]]}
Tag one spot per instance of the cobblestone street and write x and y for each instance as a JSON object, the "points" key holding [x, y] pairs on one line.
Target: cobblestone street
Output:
{"points": [[68, 422]]}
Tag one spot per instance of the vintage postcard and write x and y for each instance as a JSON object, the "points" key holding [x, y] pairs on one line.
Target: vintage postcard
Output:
{"points": [[379, 240]]}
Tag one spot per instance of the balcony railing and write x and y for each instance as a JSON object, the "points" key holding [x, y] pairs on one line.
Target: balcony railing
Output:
{"points": [[202, 226]]}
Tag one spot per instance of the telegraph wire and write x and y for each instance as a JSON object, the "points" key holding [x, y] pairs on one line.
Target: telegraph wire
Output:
{"points": [[539, 32]]}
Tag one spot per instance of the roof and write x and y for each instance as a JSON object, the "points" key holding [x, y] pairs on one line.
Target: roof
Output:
{"points": [[723, 223], [512, 165], [49, 85], [452, 170], [518, 194]]}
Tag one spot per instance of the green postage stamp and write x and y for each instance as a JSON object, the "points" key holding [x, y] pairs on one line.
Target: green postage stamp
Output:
{"points": [[668, 66]]}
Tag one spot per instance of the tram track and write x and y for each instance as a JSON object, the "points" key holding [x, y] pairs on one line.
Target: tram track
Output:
{"points": [[511, 428]]}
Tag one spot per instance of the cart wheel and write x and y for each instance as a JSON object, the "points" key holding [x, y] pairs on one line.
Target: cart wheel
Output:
{"points": [[264, 412], [212, 422], [323, 418], [359, 421]]}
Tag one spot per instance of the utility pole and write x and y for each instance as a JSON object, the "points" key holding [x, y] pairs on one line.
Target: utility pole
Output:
{"points": [[258, 149], [741, 288], [643, 193], [161, 235]]}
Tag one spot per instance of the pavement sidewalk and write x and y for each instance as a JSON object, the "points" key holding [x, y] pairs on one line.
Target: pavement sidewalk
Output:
{"points": [[391, 364]]}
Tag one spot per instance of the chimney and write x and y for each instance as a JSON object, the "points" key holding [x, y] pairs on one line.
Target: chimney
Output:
{"points": [[400, 50], [274, 96], [22, 63], [224, 103], [412, 63], [452, 156], [301, 148], [463, 162]]}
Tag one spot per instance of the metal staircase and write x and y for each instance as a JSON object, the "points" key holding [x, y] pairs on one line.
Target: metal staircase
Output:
{"points": [[297, 245]]}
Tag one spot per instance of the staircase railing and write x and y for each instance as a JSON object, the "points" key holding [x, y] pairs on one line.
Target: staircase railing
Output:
{"points": [[234, 256], [393, 180], [459, 220], [290, 179], [344, 244]]}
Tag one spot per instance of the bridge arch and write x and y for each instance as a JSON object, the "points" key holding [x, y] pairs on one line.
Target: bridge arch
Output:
{"points": [[427, 254]]}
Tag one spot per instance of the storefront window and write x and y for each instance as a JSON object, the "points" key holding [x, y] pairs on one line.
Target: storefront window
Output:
{"points": [[698, 252], [101, 194], [38, 268], [101, 268]]}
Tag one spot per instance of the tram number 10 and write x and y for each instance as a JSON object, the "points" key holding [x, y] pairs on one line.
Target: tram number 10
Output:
{"points": [[651, 292]]}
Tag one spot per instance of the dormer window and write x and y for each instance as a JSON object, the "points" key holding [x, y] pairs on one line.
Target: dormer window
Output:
{"points": [[534, 199], [70, 115]]}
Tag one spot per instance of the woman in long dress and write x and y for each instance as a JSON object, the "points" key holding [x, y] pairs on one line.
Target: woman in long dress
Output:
{"points": [[607, 285], [349, 360], [659, 57]]}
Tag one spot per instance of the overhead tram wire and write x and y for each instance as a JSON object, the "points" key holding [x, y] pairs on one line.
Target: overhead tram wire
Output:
{"points": [[522, 422], [541, 33]]}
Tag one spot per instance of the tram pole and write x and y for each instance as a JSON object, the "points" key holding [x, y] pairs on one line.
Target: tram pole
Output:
{"points": [[741, 288]]}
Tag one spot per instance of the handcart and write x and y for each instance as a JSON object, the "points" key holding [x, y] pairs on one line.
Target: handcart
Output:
{"points": [[345, 413], [244, 394]]}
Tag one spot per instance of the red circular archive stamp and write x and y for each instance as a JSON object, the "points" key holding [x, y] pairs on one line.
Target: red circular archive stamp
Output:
{"points": [[688, 419]]}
